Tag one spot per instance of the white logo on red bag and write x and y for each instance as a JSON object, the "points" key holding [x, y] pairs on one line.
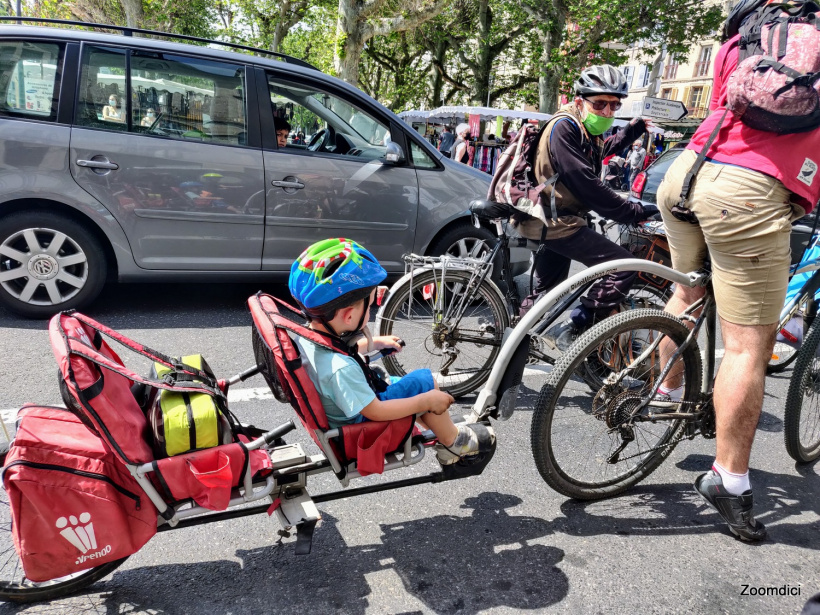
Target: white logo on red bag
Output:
{"points": [[81, 536], [80, 533], [807, 172]]}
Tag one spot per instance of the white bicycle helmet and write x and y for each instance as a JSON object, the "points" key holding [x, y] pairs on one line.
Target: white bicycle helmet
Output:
{"points": [[601, 79]]}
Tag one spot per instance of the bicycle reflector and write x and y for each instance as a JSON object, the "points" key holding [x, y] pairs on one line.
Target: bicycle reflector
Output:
{"points": [[639, 184]]}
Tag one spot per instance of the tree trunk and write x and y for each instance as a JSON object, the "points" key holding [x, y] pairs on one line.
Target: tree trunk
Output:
{"points": [[436, 80], [549, 80], [484, 59], [280, 30], [348, 44], [133, 12]]}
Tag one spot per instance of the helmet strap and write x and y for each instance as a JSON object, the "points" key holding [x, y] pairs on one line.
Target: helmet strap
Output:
{"points": [[361, 329]]}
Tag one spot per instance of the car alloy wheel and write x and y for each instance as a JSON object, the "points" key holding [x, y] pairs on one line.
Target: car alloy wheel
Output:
{"points": [[42, 266]]}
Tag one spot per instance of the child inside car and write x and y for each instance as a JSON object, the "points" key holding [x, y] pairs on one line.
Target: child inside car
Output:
{"points": [[334, 282]]}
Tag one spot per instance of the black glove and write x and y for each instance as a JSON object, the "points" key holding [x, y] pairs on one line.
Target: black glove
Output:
{"points": [[649, 212]]}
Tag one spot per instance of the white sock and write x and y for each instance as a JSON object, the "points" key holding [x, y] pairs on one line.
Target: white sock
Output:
{"points": [[736, 484], [674, 394]]}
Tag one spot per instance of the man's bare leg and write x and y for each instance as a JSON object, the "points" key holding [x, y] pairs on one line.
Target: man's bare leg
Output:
{"points": [[738, 393]]}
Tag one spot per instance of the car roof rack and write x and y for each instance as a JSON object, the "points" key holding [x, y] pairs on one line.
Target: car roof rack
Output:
{"points": [[126, 31]]}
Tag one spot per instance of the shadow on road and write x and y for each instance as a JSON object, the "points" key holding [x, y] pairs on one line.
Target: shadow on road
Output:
{"points": [[676, 509], [447, 563]]}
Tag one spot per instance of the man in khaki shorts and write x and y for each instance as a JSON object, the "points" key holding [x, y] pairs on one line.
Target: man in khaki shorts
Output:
{"points": [[751, 186]]}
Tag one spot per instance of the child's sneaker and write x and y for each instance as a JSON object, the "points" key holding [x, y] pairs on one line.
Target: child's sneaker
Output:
{"points": [[466, 443]]}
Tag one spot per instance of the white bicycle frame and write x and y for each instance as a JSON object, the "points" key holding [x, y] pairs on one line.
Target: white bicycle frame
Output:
{"points": [[488, 396]]}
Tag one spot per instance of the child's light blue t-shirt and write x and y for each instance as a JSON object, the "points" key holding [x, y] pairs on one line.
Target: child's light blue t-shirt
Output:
{"points": [[339, 380]]}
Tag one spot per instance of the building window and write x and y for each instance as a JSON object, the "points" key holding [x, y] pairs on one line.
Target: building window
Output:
{"points": [[629, 72], [671, 69], [704, 62], [697, 105], [643, 76], [669, 93]]}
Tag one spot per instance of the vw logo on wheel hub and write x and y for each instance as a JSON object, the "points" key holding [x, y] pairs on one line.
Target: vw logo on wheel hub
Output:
{"points": [[43, 267]]}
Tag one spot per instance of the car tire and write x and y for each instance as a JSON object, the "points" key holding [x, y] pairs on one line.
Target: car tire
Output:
{"points": [[465, 240], [36, 283]]}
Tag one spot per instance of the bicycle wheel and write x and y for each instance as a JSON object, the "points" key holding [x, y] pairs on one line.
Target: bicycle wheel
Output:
{"points": [[783, 355], [576, 433], [801, 420], [459, 352], [15, 587]]}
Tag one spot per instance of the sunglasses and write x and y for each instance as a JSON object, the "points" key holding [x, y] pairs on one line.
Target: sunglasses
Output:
{"points": [[600, 105]]}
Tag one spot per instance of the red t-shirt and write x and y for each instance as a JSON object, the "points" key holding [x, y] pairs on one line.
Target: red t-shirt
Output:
{"points": [[794, 159]]}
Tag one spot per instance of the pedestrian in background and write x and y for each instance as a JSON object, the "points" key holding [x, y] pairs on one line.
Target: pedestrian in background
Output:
{"points": [[460, 152], [446, 143], [636, 158]]}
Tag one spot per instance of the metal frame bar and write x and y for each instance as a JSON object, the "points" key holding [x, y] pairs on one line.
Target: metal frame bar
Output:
{"points": [[488, 395]]}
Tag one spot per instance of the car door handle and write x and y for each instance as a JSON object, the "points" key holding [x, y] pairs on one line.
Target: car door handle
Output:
{"points": [[98, 164], [285, 183]]}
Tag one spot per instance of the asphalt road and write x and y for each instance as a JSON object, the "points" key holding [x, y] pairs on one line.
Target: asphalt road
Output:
{"points": [[501, 542]]}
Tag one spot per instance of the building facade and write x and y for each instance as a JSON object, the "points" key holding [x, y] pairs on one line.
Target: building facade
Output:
{"points": [[687, 79]]}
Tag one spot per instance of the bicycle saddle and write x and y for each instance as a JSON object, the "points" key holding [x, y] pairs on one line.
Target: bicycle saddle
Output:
{"points": [[491, 210]]}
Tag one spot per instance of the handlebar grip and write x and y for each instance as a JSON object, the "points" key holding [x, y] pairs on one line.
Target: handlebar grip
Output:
{"points": [[386, 352], [277, 432]]}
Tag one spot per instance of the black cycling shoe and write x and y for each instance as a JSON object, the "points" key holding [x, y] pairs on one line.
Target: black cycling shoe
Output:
{"points": [[736, 510]]}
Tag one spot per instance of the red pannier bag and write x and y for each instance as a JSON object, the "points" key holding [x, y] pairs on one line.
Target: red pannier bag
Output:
{"points": [[280, 361], [209, 476], [73, 504]]}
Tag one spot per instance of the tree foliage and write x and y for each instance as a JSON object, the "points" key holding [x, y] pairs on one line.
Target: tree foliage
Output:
{"points": [[410, 53]]}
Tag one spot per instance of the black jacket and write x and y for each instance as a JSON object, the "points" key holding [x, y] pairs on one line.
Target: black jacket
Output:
{"points": [[578, 163]]}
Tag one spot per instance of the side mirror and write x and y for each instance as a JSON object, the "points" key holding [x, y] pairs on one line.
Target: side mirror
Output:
{"points": [[394, 153]]}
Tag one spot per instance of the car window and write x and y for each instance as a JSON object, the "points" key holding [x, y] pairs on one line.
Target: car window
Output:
{"points": [[29, 79], [421, 159], [658, 169], [102, 94], [188, 98], [163, 95], [325, 123]]}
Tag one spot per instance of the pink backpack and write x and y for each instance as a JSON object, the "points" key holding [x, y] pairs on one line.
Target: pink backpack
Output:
{"points": [[776, 85], [513, 182]]}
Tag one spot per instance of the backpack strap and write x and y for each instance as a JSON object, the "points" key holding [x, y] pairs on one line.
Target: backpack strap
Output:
{"points": [[156, 356], [681, 211], [548, 128]]}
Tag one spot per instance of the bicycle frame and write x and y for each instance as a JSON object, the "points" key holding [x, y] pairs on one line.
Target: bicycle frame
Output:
{"points": [[490, 397], [808, 290]]}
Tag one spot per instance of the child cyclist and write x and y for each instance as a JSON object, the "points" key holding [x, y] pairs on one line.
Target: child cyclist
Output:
{"points": [[334, 282]]}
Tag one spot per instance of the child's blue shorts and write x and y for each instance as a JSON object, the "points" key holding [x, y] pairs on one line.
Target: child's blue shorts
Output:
{"points": [[416, 382]]}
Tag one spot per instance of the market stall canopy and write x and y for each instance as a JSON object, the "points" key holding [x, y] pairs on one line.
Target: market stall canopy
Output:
{"points": [[486, 113]]}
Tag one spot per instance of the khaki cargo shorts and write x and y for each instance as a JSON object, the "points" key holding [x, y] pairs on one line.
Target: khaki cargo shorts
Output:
{"points": [[745, 222]]}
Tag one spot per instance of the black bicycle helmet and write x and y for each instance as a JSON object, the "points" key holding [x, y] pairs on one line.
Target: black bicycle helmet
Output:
{"points": [[601, 79]]}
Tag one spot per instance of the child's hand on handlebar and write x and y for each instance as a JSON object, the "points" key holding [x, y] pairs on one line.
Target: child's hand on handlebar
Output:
{"points": [[439, 401], [387, 342]]}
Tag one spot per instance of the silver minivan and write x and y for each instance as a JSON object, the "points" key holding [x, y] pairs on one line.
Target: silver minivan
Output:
{"points": [[138, 159]]}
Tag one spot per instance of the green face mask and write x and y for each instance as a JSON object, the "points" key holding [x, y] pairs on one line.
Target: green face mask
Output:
{"points": [[596, 124]]}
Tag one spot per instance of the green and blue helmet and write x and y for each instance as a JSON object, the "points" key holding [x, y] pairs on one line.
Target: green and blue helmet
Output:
{"points": [[333, 273]]}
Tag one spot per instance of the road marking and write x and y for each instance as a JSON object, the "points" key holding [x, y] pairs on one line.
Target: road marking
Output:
{"points": [[234, 396]]}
